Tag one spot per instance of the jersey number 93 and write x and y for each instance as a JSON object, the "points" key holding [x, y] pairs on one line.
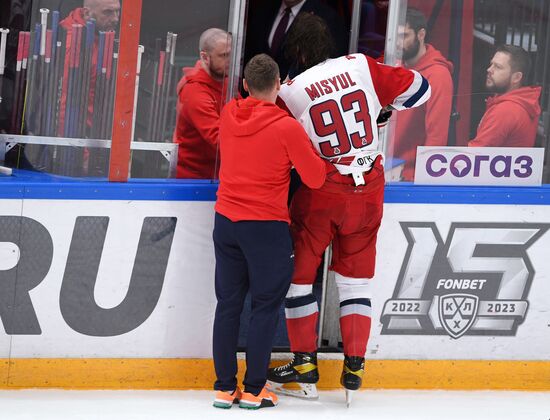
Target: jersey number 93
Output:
{"points": [[337, 125]]}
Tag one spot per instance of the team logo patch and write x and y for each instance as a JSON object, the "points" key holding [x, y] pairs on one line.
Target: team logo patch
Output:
{"points": [[457, 313]]}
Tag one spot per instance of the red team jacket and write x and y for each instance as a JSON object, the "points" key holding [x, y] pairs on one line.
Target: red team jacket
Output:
{"points": [[427, 125], [259, 145], [510, 119], [200, 100]]}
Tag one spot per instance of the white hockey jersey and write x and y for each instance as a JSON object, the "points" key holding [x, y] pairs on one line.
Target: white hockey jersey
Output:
{"points": [[338, 101]]}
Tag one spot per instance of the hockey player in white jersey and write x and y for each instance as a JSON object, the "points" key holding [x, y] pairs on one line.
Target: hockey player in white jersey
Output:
{"points": [[337, 101]]}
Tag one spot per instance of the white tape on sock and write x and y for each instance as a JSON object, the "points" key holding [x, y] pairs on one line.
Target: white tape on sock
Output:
{"points": [[297, 290], [353, 288]]}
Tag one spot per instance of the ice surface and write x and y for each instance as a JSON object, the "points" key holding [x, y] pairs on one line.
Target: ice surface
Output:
{"points": [[183, 405]]}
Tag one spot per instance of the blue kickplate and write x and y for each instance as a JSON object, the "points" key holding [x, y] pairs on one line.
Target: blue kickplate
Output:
{"points": [[37, 185]]}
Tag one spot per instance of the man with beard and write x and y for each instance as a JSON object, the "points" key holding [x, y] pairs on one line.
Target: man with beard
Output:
{"points": [[512, 114], [428, 124], [201, 95]]}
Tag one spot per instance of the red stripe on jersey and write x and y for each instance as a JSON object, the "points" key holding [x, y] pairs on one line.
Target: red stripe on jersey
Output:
{"points": [[345, 160]]}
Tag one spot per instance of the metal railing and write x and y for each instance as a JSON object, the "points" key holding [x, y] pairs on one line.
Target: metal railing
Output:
{"points": [[168, 151]]}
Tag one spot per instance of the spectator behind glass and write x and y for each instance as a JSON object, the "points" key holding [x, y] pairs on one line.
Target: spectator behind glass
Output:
{"points": [[427, 125], [512, 114], [201, 95], [265, 16]]}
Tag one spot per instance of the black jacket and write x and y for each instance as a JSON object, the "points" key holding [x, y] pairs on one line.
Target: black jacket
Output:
{"points": [[261, 15]]}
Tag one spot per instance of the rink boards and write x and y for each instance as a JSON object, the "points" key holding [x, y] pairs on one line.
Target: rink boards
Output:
{"points": [[111, 285]]}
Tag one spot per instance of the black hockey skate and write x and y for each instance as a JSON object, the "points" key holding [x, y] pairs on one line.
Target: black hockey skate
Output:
{"points": [[352, 375], [302, 370]]}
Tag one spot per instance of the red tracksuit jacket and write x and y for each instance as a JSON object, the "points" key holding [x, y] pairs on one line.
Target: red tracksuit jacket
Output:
{"points": [[259, 144], [200, 100], [510, 120], [427, 125]]}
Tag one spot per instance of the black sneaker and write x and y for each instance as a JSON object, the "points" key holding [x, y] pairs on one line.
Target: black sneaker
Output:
{"points": [[352, 373], [302, 369]]}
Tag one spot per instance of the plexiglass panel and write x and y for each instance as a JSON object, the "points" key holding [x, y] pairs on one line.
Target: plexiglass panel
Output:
{"points": [[487, 64], [372, 27], [63, 77], [181, 86]]}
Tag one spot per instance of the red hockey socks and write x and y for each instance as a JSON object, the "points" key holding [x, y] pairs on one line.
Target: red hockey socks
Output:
{"points": [[355, 323], [302, 314]]}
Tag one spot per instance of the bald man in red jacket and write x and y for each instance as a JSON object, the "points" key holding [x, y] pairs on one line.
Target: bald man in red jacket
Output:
{"points": [[201, 96]]}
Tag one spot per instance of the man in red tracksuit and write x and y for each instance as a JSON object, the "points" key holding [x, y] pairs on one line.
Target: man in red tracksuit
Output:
{"points": [[427, 125], [201, 95], [259, 144], [106, 14], [512, 115]]}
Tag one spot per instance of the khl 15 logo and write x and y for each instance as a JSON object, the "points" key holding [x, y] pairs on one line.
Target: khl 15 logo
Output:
{"points": [[476, 282]]}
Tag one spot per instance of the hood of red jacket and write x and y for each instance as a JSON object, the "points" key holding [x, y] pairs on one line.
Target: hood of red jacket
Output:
{"points": [[527, 97], [245, 117], [432, 58], [75, 17], [197, 74]]}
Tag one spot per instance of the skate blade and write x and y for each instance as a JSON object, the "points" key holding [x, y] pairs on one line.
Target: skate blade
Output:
{"points": [[303, 391], [349, 396]]}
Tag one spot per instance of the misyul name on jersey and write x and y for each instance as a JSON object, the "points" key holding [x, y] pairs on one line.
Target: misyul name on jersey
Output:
{"points": [[329, 85]]}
